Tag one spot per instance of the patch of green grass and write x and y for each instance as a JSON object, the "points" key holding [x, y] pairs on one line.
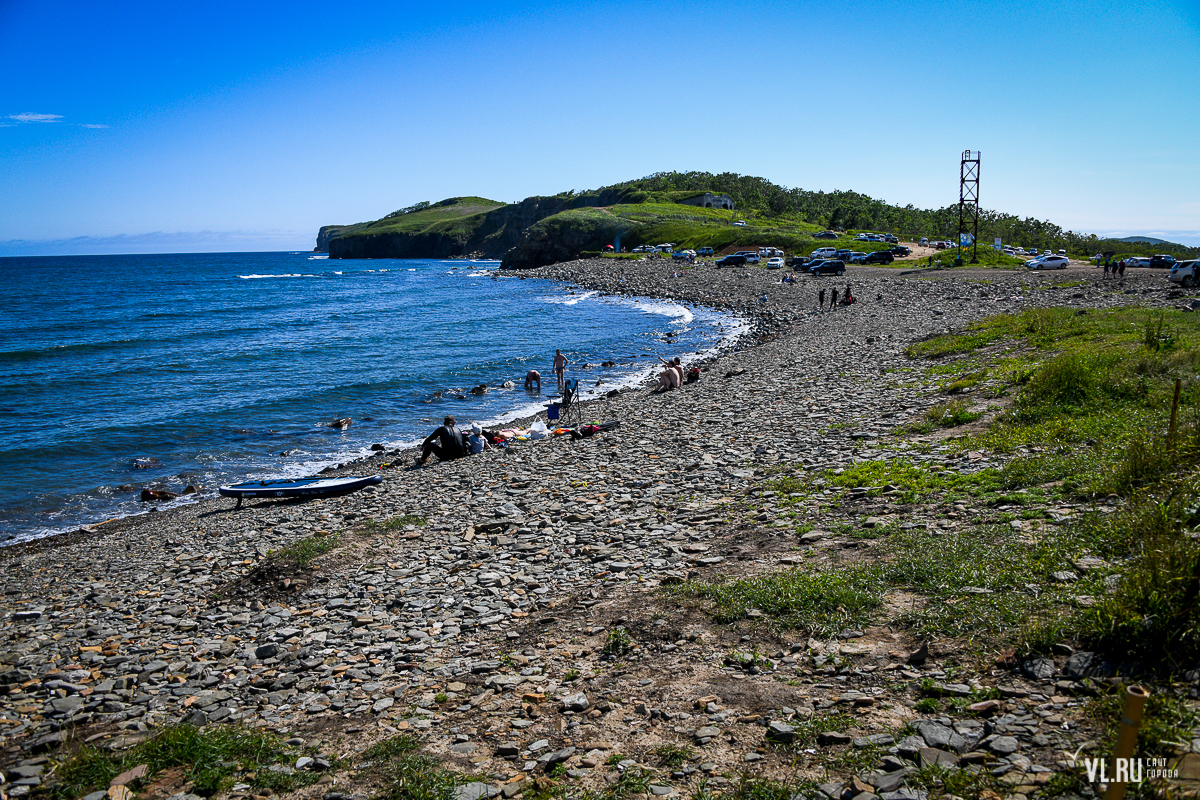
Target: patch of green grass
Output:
{"points": [[817, 602], [967, 784], [951, 414], [671, 756], [212, 757], [618, 642], [408, 774], [303, 552], [1167, 722], [757, 788], [1154, 611]]}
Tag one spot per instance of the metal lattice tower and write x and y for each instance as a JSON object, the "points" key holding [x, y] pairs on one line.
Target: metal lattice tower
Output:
{"points": [[968, 202]]}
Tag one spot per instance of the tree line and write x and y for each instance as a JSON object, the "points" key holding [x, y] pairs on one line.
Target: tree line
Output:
{"points": [[847, 210]]}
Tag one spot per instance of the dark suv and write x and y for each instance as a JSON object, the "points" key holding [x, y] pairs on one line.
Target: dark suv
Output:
{"points": [[879, 257], [731, 261], [827, 268], [1162, 262], [901, 250]]}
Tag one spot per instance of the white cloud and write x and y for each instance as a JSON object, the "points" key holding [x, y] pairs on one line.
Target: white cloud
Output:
{"points": [[28, 117], [91, 125]]}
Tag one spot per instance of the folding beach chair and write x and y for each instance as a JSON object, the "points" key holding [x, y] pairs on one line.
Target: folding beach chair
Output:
{"points": [[568, 407]]}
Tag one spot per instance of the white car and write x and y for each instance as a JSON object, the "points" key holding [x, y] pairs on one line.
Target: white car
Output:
{"points": [[741, 223], [824, 252], [1048, 262], [775, 263], [1185, 272], [1137, 262]]}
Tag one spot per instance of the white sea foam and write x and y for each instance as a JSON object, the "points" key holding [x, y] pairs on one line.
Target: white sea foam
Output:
{"points": [[287, 275], [569, 300], [666, 308]]}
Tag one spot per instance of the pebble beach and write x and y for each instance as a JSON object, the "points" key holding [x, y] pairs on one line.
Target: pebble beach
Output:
{"points": [[469, 603]]}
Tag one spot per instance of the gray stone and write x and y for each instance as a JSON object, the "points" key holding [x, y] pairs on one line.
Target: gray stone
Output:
{"points": [[1039, 668], [1004, 745], [780, 733], [576, 702]]}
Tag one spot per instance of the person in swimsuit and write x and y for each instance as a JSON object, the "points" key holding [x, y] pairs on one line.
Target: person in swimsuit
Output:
{"points": [[560, 368], [533, 378]]}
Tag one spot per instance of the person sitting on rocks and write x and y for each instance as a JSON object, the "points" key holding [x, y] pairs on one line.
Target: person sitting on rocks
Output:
{"points": [[446, 443], [669, 378]]}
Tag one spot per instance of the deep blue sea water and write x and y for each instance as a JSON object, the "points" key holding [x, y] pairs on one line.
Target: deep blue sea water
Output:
{"points": [[169, 369]]}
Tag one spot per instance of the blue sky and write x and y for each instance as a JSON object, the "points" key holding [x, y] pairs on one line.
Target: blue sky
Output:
{"points": [[138, 127]]}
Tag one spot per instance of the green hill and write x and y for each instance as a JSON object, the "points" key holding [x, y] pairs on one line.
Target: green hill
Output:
{"points": [[650, 210]]}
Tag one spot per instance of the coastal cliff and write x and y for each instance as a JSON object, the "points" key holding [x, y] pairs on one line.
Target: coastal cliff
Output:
{"points": [[330, 232], [462, 226]]}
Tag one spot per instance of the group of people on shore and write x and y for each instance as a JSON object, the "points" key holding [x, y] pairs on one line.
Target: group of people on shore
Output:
{"points": [[1117, 269], [847, 299]]}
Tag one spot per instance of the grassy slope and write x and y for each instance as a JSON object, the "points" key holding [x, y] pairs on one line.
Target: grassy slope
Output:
{"points": [[1087, 406], [692, 227], [456, 215]]}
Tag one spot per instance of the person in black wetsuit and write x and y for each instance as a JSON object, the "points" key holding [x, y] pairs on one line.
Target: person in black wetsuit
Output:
{"points": [[447, 447]]}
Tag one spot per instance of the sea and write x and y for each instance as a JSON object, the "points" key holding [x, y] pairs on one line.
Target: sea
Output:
{"points": [[119, 372]]}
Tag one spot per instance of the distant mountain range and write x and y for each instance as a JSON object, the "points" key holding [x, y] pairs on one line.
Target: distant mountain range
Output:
{"points": [[1144, 240]]}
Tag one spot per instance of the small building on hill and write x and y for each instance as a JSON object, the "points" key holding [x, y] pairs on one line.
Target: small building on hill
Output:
{"points": [[710, 200]]}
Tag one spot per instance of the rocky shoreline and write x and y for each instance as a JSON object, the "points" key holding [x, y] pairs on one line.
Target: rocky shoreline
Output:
{"points": [[473, 603]]}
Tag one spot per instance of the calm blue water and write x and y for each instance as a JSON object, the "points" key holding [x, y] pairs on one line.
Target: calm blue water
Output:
{"points": [[168, 369]]}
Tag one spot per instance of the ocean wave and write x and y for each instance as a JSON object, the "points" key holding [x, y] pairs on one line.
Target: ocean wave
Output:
{"points": [[666, 309], [285, 275], [569, 300]]}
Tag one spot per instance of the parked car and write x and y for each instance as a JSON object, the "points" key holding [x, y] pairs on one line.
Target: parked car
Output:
{"points": [[1162, 261], [1140, 261], [1185, 273], [879, 257], [823, 252], [731, 261], [799, 263], [1048, 262], [825, 235], [833, 267], [681, 255], [901, 250], [704, 251], [863, 237], [843, 255], [923, 241], [741, 223], [856, 258], [775, 263], [751, 256], [890, 238]]}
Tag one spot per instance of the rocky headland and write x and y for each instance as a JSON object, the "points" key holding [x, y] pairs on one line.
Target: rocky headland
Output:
{"points": [[513, 611]]}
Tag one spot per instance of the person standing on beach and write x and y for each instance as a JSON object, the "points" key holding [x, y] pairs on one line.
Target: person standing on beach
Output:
{"points": [[560, 368], [821, 300], [1122, 270], [833, 302]]}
